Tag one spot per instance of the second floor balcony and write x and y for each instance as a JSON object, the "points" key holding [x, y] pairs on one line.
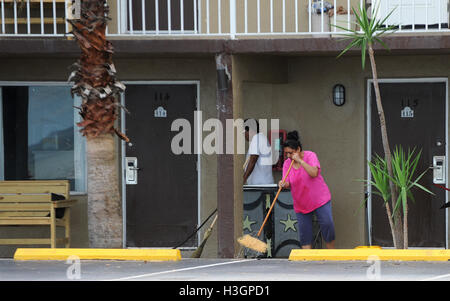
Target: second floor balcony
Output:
{"points": [[232, 19]]}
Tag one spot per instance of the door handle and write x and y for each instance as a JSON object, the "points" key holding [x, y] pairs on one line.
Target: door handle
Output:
{"points": [[131, 169], [438, 168]]}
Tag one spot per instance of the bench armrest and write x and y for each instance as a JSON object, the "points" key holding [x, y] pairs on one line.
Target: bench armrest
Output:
{"points": [[63, 203]]}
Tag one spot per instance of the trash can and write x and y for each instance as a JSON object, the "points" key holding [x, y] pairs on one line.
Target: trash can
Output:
{"points": [[281, 229], [257, 200]]}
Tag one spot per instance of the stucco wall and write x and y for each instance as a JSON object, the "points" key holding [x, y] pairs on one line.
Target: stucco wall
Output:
{"points": [[336, 134], [164, 69]]}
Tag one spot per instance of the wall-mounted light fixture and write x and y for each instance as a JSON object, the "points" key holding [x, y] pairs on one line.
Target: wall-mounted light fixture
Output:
{"points": [[339, 95]]}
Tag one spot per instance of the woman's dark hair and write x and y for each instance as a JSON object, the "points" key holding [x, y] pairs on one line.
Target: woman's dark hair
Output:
{"points": [[251, 123], [293, 140]]}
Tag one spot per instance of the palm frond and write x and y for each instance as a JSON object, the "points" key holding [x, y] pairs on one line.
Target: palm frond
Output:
{"points": [[371, 30]]}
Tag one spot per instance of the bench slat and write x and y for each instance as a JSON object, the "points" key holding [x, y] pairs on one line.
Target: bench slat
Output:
{"points": [[58, 189], [25, 206], [25, 241], [22, 213], [26, 221], [25, 198], [35, 187]]}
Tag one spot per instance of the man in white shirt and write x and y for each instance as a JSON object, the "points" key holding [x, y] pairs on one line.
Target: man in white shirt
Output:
{"points": [[258, 170]]}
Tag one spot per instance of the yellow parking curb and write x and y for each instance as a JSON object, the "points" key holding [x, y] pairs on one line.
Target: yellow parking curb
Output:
{"points": [[98, 254], [370, 254]]}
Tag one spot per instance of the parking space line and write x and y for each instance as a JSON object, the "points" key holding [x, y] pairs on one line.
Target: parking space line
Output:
{"points": [[180, 270], [436, 277]]}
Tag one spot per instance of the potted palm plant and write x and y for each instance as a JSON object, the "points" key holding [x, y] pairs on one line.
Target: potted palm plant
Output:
{"points": [[404, 166]]}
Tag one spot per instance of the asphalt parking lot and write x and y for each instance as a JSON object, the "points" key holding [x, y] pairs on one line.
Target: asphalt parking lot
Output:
{"points": [[223, 270]]}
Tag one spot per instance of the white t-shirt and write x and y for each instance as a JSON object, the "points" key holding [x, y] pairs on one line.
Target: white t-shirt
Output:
{"points": [[262, 172]]}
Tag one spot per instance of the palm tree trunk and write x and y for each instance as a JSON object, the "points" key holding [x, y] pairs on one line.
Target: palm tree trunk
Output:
{"points": [[104, 201], [405, 225], [391, 223], [397, 233], [95, 82]]}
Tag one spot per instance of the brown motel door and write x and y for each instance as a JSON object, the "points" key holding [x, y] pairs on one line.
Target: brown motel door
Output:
{"points": [[161, 209], [415, 117]]}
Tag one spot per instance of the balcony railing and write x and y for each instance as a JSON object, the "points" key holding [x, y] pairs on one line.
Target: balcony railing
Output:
{"points": [[227, 18]]}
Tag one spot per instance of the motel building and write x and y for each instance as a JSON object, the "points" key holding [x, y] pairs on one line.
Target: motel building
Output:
{"points": [[199, 60]]}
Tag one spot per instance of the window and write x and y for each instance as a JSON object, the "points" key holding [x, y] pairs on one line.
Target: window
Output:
{"points": [[40, 138]]}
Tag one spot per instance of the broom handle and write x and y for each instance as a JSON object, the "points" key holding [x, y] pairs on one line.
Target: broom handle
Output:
{"points": [[275, 199]]}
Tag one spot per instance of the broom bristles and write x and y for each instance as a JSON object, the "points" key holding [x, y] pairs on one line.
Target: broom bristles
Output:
{"points": [[253, 243]]}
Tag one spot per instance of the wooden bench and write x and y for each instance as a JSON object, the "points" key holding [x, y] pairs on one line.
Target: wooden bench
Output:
{"points": [[32, 203]]}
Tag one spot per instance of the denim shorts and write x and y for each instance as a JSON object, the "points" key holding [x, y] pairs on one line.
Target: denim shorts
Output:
{"points": [[325, 219]]}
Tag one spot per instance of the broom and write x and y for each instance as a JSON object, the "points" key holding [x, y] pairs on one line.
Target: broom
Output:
{"points": [[199, 250], [254, 243]]}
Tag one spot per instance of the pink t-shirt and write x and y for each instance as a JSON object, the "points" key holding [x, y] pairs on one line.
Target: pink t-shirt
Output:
{"points": [[308, 193]]}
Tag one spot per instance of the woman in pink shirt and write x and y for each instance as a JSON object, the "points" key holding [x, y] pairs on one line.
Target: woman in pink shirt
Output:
{"points": [[310, 193]]}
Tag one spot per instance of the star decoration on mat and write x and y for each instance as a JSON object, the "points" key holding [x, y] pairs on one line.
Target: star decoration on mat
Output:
{"points": [[248, 223], [289, 223]]}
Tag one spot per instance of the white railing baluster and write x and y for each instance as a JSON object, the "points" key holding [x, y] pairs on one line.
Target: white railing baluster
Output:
{"points": [[169, 17], [361, 6], [321, 18], [28, 17], [55, 30], [157, 16], [195, 16], [42, 16], [245, 16], [414, 15], [66, 25], [258, 8], [143, 17], [3, 17], [233, 19], [130, 16], [207, 17], [348, 15], [15, 18], [426, 15], [119, 16], [182, 16], [309, 15], [401, 15]]}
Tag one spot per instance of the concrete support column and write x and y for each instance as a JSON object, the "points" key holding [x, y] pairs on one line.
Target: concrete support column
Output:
{"points": [[225, 162]]}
